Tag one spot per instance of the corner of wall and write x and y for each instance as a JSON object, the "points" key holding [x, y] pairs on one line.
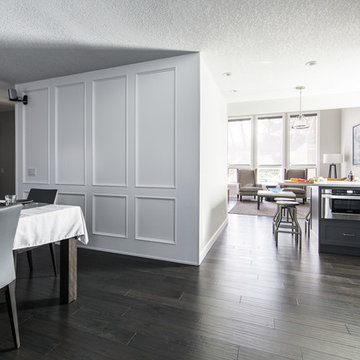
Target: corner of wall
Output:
{"points": [[213, 162]]}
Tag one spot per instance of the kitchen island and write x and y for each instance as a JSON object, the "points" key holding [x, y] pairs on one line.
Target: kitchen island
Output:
{"points": [[335, 213]]}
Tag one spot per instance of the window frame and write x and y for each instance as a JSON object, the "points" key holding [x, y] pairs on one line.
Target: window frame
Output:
{"points": [[317, 143], [285, 142], [269, 116], [250, 164]]}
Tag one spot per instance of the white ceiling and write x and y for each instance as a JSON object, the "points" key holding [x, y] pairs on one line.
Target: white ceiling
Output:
{"points": [[263, 43]]}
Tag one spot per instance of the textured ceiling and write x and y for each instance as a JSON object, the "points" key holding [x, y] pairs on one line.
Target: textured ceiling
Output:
{"points": [[263, 43]]}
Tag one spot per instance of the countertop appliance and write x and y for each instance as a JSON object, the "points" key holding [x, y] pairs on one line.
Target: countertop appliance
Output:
{"points": [[340, 203]]}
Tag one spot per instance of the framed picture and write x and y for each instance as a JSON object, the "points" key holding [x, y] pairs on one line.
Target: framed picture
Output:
{"points": [[356, 145]]}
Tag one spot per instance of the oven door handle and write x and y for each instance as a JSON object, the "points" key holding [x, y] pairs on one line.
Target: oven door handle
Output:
{"points": [[349, 234], [341, 197]]}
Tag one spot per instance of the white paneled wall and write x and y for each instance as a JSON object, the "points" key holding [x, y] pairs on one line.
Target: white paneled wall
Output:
{"points": [[115, 222], [122, 143], [72, 199], [155, 129], [155, 219], [35, 136], [109, 130]]}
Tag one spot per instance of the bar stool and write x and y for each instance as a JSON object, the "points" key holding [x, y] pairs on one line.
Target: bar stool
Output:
{"points": [[281, 211], [285, 220]]}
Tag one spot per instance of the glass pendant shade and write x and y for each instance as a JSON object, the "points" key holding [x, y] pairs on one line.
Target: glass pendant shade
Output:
{"points": [[301, 121]]}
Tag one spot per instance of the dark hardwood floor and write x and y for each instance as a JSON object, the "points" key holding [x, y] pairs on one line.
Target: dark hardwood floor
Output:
{"points": [[248, 300]]}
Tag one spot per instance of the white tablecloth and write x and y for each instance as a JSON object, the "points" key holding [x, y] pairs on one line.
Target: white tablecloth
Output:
{"points": [[49, 223]]}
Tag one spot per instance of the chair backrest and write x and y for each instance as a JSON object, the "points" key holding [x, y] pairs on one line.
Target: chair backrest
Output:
{"points": [[9, 218], [295, 173], [46, 196], [246, 177]]}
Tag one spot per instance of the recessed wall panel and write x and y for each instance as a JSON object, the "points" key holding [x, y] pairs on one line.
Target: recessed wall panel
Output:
{"points": [[110, 132], [69, 134], [36, 137], [155, 129], [155, 219], [72, 199], [110, 215]]}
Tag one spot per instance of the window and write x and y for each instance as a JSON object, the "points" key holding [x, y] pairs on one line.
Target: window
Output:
{"points": [[269, 144], [232, 175], [302, 143], [269, 140], [239, 142], [269, 176], [311, 173]]}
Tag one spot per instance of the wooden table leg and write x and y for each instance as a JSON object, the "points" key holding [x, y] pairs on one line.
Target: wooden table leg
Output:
{"points": [[68, 271]]}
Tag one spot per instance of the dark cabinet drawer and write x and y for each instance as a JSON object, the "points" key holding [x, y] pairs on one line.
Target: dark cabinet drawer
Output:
{"points": [[340, 234]]}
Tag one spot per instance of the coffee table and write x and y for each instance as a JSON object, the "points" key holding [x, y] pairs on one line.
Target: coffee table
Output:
{"points": [[269, 194]]}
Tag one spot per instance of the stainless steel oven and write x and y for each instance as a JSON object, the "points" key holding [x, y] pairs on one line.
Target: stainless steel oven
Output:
{"points": [[340, 203]]}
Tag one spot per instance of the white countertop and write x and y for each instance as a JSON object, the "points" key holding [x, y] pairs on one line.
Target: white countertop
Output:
{"points": [[324, 183], [338, 183]]}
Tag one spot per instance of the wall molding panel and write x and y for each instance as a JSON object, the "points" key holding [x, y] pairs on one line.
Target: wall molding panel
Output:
{"points": [[110, 131], [155, 219], [72, 198], [70, 127], [155, 128], [110, 215], [36, 137]]}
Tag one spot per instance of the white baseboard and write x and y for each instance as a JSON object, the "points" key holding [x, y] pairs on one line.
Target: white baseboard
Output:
{"points": [[212, 240], [138, 255]]}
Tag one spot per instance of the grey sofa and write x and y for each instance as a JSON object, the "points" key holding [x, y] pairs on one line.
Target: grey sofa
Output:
{"points": [[300, 191], [246, 179]]}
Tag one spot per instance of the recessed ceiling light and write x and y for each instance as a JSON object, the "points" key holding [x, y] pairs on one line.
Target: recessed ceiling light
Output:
{"points": [[227, 74], [311, 63], [234, 90]]}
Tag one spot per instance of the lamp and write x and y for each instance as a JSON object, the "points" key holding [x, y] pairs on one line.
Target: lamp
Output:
{"points": [[13, 96], [300, 122], [332, 160]]}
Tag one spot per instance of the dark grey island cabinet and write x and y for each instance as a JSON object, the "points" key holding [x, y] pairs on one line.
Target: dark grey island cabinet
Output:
{"points": [[338, 237], [336, 218]]}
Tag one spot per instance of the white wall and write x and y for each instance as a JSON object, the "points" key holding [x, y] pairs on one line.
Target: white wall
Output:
{"points": [[330, 137], [123, 143], [349, 118], [315, 102], [213, 162]]}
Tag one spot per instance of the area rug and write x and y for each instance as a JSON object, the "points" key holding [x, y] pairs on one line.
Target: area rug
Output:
{"points": [[267, 208]]}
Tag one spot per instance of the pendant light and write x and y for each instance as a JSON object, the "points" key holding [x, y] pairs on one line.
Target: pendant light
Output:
{"points": [[300, 121]]}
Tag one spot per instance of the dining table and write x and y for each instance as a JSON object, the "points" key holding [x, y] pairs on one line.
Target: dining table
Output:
{"points": [[42, 224]]}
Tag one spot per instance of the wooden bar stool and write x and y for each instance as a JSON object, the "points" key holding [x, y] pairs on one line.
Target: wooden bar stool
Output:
{"points": [[285, 220]]}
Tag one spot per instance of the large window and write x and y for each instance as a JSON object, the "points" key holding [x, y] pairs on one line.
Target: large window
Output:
{"points": [[239, 142], [274, 145], [269, 140], [302, 143], [269, 176]]}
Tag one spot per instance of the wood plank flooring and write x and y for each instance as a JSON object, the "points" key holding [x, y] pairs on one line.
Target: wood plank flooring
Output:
{"points": [[247, 301]]}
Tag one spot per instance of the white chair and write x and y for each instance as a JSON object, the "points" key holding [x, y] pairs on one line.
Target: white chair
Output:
{"points": [[9, 218]]}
